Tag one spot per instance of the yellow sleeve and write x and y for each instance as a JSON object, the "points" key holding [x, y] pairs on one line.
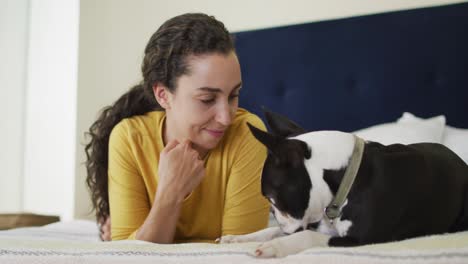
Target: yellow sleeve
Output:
{"points": [[246, 210], [128, 201]]}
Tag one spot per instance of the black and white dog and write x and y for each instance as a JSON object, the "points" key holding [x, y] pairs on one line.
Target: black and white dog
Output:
{"points": [[330, 188]]}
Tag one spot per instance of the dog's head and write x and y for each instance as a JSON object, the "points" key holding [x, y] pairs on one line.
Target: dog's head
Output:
{"points": [[290, 181]]}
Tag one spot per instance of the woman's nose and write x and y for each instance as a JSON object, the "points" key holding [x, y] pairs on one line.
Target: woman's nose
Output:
{"points": [[224, 115]]}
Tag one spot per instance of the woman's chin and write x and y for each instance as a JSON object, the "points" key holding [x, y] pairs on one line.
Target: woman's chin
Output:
{"points": [[208, 145]]}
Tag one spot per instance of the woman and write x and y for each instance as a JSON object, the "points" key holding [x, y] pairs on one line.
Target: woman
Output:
{"points": [[173, 159]]}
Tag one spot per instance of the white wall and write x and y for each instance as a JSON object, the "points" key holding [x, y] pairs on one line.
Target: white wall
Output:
{"points": [[39, 52], [13, 39], [49, 163], [113, 34]]}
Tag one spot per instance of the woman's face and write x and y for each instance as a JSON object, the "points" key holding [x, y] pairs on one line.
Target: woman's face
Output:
{"points": [[205, 101]]}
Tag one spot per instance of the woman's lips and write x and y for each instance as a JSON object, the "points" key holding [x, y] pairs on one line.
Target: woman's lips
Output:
{"points": [[215, 133]]}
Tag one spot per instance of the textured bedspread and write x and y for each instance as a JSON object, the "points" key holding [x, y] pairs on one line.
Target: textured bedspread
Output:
{"points": [[76, 242]]}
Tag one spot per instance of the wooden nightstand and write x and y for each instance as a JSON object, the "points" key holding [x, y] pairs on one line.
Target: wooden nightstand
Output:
{"points": [[8, 221]]}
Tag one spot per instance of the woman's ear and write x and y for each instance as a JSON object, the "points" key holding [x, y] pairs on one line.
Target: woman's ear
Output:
{"points": [[162, 95]]}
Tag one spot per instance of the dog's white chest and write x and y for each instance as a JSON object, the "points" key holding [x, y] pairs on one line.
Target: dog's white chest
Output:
{"points": [[337, 228]]}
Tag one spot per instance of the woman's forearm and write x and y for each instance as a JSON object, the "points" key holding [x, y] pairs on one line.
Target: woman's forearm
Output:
{"points": [[160, 225], [180, 171]]}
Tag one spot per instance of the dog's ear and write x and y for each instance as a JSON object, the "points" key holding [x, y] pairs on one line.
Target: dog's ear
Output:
{"points": [[267, 139], [281, 125]]}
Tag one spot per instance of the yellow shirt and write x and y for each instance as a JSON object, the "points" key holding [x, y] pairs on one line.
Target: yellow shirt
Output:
{"points": [[227, 201]]}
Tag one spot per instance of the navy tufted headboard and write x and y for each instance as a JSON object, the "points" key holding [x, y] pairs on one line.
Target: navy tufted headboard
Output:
{"points": [[351, 73]]}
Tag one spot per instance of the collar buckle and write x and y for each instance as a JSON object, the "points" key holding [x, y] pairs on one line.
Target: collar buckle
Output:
{"points": [[332, 211]]}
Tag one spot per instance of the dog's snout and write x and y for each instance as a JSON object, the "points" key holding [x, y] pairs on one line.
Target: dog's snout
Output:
{"points": [[312, 226], [299, 229]]}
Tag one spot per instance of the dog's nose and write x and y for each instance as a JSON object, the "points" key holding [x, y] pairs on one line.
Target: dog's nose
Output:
{"points": [[299, 229], [312, 226]]}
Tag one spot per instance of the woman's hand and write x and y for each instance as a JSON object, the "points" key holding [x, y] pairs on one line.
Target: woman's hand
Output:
{"points": [[180, 171]]}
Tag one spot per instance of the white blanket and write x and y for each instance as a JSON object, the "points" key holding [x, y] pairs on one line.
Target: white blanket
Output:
{"points": [[77, 242]]}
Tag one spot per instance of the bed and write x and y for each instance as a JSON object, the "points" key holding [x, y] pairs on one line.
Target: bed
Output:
{"points": [[393, 77], [77, 242]]}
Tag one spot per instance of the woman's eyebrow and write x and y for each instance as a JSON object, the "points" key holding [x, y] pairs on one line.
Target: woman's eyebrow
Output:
{"points": [[218, 90]]}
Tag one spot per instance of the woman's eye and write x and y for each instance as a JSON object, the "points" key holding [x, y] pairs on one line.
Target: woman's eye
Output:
{"points": [[208, 101], [234, 96], [212, 100]]}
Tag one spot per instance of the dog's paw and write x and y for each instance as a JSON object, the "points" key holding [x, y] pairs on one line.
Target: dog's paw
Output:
{"points": [[268, 250], [291, 244], [227, 239]]}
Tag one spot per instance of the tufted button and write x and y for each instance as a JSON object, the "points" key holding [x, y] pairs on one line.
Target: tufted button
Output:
{"points": [[280, 89], [432, 81], [430, 78], [351, 85]]}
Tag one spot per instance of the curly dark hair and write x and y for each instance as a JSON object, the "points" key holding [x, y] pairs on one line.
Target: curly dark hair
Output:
{"points": [[166, 59]]}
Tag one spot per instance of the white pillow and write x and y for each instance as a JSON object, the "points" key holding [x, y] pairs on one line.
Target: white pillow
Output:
{"points": [[428, 130], [454, 138]]}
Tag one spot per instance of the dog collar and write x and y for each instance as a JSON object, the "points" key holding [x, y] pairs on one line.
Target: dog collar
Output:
{"points": [[333, 210]]}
